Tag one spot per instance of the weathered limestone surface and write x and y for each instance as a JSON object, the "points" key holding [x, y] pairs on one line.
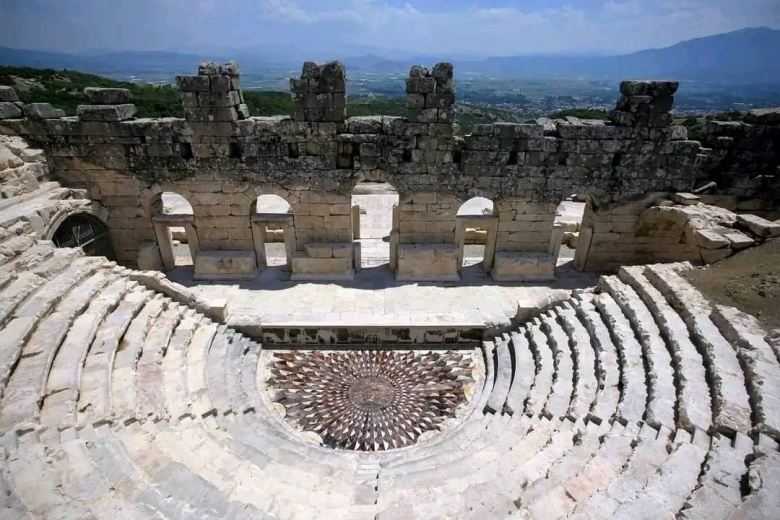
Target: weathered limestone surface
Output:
{"points": [[213, 265], [9, 110], [523, 266], [118, 393], [220, 159], [39, 111], [741, 158], [435, 262], [8, 94], [108, 96], [106, 113]]}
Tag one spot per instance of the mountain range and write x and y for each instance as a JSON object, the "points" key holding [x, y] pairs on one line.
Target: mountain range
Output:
{"points": [[744, 56]]}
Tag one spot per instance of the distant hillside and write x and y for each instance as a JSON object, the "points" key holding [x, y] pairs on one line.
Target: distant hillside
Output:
{"points": [[747, 56], [744, 56], [64, 89]]}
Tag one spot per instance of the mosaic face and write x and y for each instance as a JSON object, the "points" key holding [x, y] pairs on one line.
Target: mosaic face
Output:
{"points": [[370, 400]]}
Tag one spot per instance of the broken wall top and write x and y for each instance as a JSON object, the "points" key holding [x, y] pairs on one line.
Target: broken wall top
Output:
{"points": [[638, 151]]}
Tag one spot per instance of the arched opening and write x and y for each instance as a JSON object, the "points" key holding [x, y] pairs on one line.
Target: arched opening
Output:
{"points": [[84, 231], [175, 204], [568, 222], [174, 226], [272, 231], [373, 220], [476, 231]]}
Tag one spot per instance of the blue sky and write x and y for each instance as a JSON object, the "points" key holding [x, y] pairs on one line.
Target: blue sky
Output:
{"points": [[460, 27]]}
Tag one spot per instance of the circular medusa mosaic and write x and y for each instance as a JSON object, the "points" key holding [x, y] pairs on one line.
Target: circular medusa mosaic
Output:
{"points": [[370, 400]]}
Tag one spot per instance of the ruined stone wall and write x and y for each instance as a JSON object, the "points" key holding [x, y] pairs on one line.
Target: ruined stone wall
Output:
{"points": [[32, 207], [220, 160], [743, 161], [616, 236]]}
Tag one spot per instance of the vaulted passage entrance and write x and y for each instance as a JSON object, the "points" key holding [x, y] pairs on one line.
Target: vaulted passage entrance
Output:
{"points": [[84, 231]]}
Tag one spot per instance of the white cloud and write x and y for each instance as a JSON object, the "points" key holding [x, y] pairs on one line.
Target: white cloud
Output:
{"points": [[475, 28], [618, 26]]}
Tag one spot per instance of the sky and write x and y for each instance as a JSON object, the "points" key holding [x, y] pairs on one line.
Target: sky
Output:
{"points": [[454, 27]]}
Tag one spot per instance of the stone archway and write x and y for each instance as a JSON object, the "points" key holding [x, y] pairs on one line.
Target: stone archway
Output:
{"points": [[476, 230], [374, 206], [272, 223], [177, 237], [85, 231]]}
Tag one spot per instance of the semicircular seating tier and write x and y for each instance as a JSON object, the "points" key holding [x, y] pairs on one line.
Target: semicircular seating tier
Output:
{"points": [[639, 399]]}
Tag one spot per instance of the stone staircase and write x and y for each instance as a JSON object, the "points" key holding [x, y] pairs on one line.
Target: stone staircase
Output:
{"points": [[640, 399]]}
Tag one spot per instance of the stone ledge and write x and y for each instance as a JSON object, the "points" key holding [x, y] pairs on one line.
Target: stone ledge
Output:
{"points": [[523, 267], [427, 262], [307, 268], [225, 265]]}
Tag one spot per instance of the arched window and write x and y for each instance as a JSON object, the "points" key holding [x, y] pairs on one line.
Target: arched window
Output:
{"points": [[84, 231], [173, 222]]}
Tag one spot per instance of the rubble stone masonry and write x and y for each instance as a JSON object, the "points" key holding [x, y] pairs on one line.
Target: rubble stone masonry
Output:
{"points": [[221, 160]]}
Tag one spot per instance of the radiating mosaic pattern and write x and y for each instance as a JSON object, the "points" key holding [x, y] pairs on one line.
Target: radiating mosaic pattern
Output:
{"points": [[370, 400]]}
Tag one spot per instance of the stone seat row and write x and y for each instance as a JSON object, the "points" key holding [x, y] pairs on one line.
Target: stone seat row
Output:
{"points": [[638, 400], [637, 355], [144, 373]]}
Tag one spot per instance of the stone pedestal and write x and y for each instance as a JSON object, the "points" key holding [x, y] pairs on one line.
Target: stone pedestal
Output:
{"points": [[149, 258], [523, 267], [427, 262], [225, 265], [324, 262]]}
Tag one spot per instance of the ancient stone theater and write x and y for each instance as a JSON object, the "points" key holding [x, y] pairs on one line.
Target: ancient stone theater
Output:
{"points": [[321, 316]]}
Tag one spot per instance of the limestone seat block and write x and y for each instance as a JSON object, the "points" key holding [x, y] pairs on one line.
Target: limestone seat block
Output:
{"points": [[108, 96], [523, 267], [343, 250], [427, 262], [149, 258], [319, 250], [106, 113], [710, 256], [759, 226], [739, 240], [687, 199], [709, 239], [305, 267], [225, 265]]}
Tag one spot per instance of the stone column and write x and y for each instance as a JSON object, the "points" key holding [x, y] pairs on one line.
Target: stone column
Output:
{"points": [[320, 94], [258, 238], [192, 240], [355, 222], [645, 103], [107, 105], [490, 246], [163, 234], [430, 94], [214, 94], [288, 229]]}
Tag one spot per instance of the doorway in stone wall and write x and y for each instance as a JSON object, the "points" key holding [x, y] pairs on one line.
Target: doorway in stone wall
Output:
{"points": [[173, 221], [475, 232], [84, 231], [373, 221], [272, 231], [568, 216]]}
